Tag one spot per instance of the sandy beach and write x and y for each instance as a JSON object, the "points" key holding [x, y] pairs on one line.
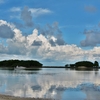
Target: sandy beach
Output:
{"points": [[7, 97]]}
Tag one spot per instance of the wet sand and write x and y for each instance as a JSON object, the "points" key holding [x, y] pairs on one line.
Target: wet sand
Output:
{"points": [[6, 97]]}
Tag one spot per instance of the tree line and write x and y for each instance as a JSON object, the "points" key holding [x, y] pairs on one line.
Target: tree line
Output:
{"points": [[25, 63], [84, 63]]}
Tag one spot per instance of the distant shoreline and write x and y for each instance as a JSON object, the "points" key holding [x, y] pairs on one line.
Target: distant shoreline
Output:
{"points": [[67, 67], [49, 67], [53, 67]]}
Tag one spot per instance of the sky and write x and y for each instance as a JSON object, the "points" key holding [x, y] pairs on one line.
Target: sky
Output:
{"points": [[54, 32]]}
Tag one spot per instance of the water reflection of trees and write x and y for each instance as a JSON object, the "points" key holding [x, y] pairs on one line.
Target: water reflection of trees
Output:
{"points": [[96, 70], [82, 69], [27, 71]]}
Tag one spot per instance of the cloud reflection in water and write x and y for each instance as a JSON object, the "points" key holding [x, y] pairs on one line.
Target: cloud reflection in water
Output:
{"points": [[80, 85]]}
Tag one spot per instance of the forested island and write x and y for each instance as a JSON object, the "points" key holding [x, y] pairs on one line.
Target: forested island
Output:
{"points": [[24, 63], [83, 64]]}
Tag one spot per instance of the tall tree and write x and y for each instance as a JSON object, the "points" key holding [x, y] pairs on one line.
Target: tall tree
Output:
{"points": [[96, 64]]}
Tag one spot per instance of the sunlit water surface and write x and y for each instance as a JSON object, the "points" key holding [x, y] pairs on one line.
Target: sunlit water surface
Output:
{"points": [[58, 84]]}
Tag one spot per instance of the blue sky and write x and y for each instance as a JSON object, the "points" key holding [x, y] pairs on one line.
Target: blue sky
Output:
{"points": [[54, 32]]}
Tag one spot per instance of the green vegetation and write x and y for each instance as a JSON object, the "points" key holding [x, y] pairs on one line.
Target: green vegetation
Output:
{"points": [[96, 64], [84, 63], [14, 63], [70, 65], [87, 64]]}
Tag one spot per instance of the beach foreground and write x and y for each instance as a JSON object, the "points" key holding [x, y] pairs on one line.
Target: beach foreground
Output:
{"points": [[7, 97]]}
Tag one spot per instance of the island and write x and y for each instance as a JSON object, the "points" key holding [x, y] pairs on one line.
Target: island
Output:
{"points": [[23, 63], [83, 64]]}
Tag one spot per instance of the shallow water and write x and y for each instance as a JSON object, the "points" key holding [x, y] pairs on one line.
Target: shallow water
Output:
{"points": [[59, 84]]}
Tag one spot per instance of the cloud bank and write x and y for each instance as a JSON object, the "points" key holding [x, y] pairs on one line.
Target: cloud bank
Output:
{"points": [[43, 45]]}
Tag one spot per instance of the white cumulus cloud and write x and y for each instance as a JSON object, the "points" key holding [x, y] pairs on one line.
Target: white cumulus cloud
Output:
{"points": [[6, 30], [38, 46]]}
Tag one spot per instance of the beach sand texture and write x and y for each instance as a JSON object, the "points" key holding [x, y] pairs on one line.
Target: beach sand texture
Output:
{"points": [[7, 97]]}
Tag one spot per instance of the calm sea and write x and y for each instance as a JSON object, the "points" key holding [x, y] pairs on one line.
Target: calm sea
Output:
{"points": [[55, 83]]}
